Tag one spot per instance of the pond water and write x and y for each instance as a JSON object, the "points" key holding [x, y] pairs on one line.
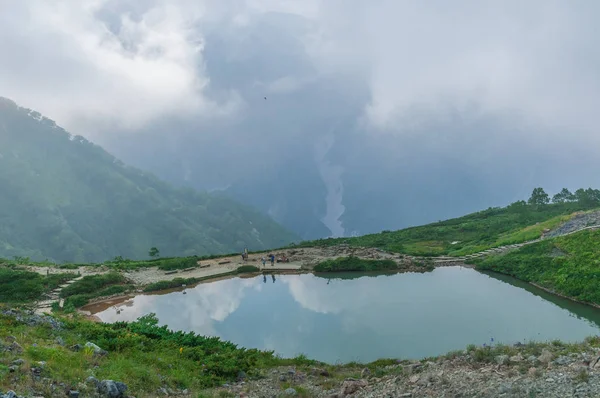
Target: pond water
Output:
{"points": [[364, 318]]}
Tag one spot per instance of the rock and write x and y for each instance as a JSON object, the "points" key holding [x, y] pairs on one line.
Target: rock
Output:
{"points": [[97, 350], [73, 394], [59, 340], [18, 362], [76, 347], [15, 347], [562, 360], [406, 395], [241, 375], [10, 339], [532, 359], [504, 388], [13, 368], [366, 372], [92, 380], [545, 357], [516, 358], [10, 394], [502, 359], [414, 378], [351, 386], [290, 392], [282, 378], [111, 389], [532, 372], [549, 380], [595, 363]]}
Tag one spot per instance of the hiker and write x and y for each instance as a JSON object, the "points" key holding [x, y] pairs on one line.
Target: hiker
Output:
{"points": [[264, 261], [272, 260]]}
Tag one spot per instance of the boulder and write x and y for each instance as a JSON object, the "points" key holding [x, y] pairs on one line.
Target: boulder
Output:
{"points": [[97, 350], [111, 389], [351, 386], [290, 392], [516, 358]]}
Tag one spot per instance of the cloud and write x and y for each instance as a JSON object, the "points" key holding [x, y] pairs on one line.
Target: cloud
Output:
{"points": [[117, 64]]}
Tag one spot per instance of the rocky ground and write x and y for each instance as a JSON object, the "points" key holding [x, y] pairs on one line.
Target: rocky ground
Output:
{"points": [[556, 371], [578, 222]]}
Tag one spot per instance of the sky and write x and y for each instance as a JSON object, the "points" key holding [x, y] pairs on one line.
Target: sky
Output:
{"points": [[493, 90]]}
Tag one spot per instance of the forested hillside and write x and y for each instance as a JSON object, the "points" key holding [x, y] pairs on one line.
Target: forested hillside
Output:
{"points": [[66, 199]]}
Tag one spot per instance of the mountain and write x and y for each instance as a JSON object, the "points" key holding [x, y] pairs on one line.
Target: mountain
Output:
{"points": [[66, 199]]}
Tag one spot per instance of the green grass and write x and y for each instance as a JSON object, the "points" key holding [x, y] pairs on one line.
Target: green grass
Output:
{"points": [[346, 264], [471, 233], [18, 286], [568, 265], [89, 287]]}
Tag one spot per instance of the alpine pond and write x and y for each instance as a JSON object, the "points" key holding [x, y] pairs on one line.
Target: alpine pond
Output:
{"points": [[366, 317]]}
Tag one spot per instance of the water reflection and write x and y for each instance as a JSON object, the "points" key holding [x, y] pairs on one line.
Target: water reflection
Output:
{"points": [[364, 318]]}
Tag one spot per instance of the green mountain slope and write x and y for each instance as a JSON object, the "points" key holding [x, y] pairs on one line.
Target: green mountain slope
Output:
{"points": [[568, 265], [66, 199], [494, 227]]}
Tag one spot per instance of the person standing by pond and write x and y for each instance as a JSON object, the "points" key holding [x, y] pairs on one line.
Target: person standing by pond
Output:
{"points": [[272, 260], [264, 261]]}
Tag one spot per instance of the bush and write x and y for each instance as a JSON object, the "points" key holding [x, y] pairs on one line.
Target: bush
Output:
{"points": [[164, 285], [22, 286], [247, 269], [92, 284], [355, 264]]}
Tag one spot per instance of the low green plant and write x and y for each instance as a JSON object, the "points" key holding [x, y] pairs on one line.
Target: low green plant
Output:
{"points": [[351, 263]]}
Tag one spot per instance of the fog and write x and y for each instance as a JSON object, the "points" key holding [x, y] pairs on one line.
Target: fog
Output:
{"points": [[334, 117]]}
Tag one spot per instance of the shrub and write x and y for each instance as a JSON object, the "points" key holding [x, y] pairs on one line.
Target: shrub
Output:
{"points": [[355, 264]]}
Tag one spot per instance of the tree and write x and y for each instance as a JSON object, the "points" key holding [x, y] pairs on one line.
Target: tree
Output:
{"points": [[563, 196], [154, 252], [590, 197], [539, 197]]}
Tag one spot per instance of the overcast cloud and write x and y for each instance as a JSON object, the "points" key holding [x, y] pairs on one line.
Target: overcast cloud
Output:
{"points": [[492, 90]]}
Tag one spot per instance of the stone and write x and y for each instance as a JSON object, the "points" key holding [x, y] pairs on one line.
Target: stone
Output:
{"points": [[532, 372], [291, 392], [351, 386], [241, 375], [414, 378], [111, 389], [76, 347], [10, 394], [366, 372], [73, 394], [15, 347], [545, 357], [504, 388], [282, 378], [59, 340], [562, 360], [516, 358], [97, 350], [549, 380], [13, 368], [532, 359], [92, 380], [18, 362], [502, 359]]}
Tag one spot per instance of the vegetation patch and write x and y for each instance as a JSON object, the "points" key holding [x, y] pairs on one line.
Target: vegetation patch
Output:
{"points": [[575, 274], [519, 222], [355, 264], [174, 283], [89, 287], [18, 286]]}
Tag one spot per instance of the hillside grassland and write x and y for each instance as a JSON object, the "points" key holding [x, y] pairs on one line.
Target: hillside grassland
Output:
{"points": [[568, 265], [469, 234]]}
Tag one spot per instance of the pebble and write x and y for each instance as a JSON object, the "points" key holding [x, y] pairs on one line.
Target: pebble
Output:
{"points": [[290, 392]]}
